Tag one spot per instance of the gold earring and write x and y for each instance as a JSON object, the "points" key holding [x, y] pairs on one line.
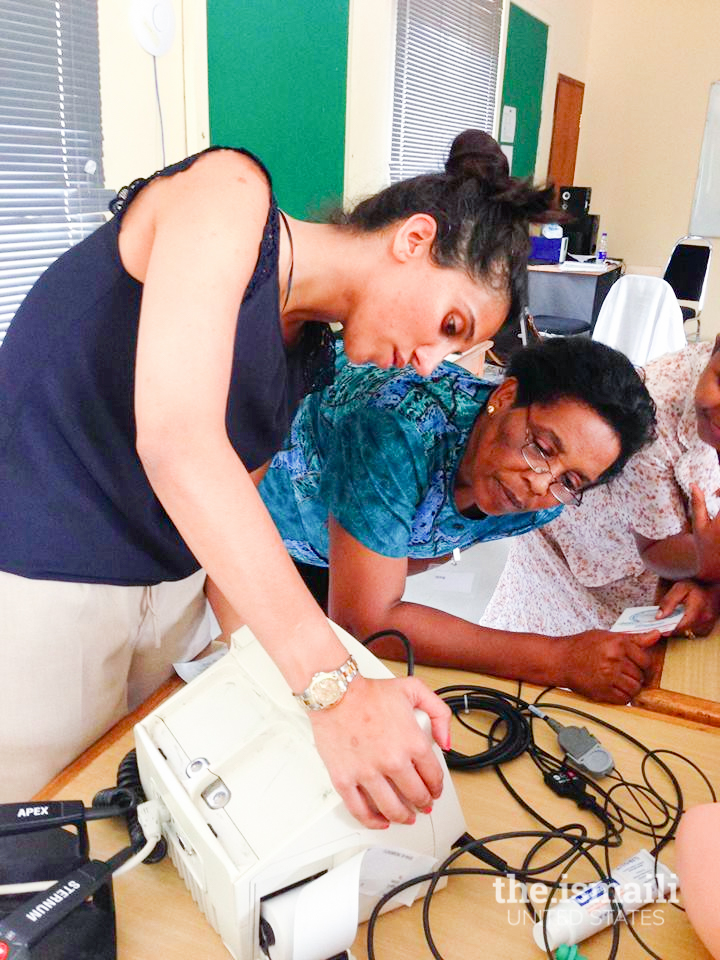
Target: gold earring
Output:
{"points": [[490, 409]]}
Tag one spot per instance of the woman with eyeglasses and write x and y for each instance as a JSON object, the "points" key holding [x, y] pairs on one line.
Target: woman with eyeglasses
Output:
{"points": [[384, 473], [649, 528]]}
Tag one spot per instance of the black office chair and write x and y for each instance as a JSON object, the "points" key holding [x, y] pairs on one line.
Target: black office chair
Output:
{"points": [[560, 326], [687, 272]]}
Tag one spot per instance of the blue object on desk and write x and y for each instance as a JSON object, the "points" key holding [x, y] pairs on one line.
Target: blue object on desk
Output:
{"points": [[548, 249]]}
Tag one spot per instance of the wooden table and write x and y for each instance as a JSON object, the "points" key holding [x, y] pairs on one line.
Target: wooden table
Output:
{"points": [[157, 917], [685, 680]]}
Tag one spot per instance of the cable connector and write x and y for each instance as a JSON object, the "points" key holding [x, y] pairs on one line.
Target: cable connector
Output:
{"points": [[579, 745], [479, 850], [565, 952], [585, 751], [566, 783], [150, 814]]}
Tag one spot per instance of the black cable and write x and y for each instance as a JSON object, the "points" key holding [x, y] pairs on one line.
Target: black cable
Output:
{"points": [[118, 859], [119, 808], [129, 791], [651, 754], [409, 652], [679, 806], [446, 870], [511, 733], [464, 698]]}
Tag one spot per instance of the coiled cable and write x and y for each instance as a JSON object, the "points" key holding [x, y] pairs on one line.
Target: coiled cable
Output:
{"points": [[129, 794]]}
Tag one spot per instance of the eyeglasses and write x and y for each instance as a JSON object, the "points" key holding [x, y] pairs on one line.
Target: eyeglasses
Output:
{"points": [[537, 460]]}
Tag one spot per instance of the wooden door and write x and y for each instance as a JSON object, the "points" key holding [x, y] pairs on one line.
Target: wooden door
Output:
{"points": [[565, 131]]}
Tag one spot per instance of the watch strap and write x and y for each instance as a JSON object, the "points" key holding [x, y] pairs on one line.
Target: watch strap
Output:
{"points": [[341, 677]]}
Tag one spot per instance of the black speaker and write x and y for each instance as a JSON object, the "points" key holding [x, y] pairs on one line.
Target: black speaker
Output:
{"points": [[582, 234], [575, 200]]}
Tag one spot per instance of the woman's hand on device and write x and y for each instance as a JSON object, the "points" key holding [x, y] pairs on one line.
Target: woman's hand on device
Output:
{"points": [[379, 759]]}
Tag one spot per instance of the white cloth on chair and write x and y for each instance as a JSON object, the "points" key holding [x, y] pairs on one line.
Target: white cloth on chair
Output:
{"points": [[641, 318]]}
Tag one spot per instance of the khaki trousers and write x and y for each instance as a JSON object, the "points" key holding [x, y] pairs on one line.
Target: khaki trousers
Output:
{"points": [[75, 658]]}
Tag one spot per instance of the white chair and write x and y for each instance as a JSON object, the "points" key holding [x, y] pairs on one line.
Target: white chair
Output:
{"points": [[641, 318]]}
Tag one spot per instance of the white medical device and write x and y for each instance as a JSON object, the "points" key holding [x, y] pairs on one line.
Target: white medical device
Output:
{"points": [[250, 811]]}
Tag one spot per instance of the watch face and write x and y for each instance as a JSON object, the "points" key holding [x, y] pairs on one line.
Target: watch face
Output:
{"points": [[326, 691]]}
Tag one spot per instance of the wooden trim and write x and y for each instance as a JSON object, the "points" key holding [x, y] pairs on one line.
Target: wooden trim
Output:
{"points": [[706, 712], [682, 706]]}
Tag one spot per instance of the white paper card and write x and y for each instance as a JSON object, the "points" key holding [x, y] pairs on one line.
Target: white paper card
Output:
{"points": [[190, 669], [642, 620], [451, 579], [508, 124]]}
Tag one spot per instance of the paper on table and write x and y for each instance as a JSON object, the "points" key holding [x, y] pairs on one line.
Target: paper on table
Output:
{"points": [[190, 669], [642, 620], [448, 577], [572, 267]]}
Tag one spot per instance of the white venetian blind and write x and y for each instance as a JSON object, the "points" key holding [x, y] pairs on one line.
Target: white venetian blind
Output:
{"points": [[446, 63], [51, 179]]}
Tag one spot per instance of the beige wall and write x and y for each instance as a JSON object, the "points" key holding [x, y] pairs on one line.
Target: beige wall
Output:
{"points": [[647, 67], [368, 119], [131, 124], [650, 65], [569, 24]]}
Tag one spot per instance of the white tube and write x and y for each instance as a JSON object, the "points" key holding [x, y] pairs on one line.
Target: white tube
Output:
{"points": [[637, 881]]}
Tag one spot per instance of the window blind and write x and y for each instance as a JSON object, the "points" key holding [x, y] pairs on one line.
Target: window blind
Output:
{"points": [[51, 177], [446, 62]]}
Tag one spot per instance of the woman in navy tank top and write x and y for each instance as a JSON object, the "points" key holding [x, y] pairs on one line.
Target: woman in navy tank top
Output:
{"points": [[146, 379]]}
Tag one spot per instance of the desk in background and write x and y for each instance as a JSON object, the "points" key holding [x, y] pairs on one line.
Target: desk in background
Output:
{"points": [[157, 917], [560, 290]]}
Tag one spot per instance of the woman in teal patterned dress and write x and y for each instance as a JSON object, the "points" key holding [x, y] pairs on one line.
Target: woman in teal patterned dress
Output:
{"points": [[425, 466]]}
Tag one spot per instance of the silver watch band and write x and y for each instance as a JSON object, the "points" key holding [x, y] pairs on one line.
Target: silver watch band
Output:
{"points": [[328, 687]]}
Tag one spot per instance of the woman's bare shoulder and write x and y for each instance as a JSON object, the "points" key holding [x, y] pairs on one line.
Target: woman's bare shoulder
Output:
{"points": [[212, 191], [224, 169]]}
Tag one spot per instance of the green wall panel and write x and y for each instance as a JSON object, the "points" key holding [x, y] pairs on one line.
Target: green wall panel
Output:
{"points": [[277, 74], [523, 84]]}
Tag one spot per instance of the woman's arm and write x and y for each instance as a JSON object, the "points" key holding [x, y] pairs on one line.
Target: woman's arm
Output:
{"points": [[206, 229], [366, 595], [674, 558], [693, 553]]}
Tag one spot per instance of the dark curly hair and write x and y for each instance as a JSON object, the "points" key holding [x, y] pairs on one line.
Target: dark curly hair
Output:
{"points": [[482, 214], [595, 375]]}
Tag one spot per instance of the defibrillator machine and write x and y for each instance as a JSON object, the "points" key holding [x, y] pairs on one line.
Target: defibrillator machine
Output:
{"points": [[253, 824]]}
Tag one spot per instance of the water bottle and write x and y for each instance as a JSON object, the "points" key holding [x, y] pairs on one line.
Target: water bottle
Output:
{"points": [[601, 252]]}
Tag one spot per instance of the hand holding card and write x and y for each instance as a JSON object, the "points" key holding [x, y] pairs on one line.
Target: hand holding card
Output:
{"points": [[642, 619]]}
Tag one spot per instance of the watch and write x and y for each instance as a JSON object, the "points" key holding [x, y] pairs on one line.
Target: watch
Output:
{"points": [[328, 687]]}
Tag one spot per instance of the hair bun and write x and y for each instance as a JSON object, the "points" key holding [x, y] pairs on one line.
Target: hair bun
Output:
{"points": [[475, 153]]}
